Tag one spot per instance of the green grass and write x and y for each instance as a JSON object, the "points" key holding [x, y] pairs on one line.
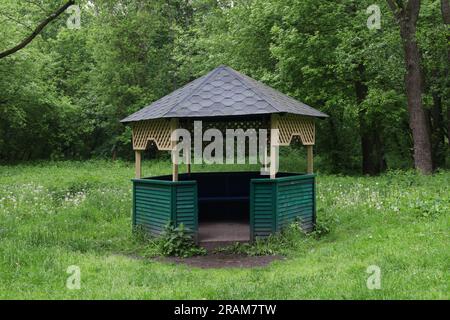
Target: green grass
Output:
{"points": [[57, 214]]}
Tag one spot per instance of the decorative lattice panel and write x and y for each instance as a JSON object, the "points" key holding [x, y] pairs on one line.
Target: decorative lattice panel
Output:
{"points": [[228, 124], [291, 125], [223, 125], [157, 131]]}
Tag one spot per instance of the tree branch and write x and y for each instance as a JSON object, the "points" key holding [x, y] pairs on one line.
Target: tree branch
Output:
{"points": [[394, 8], [36, 31]]}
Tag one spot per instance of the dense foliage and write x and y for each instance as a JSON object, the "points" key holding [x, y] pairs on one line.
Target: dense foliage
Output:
{"points": [[62, 96]]}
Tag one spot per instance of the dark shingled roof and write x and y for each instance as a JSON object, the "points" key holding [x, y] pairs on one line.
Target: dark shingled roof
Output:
{"points": [[223, 92]]}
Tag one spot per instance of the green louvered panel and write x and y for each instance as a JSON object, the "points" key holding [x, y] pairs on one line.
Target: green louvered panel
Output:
{"points": [[275, 203], [152, 206], [262, 208], [296, 200], [186, 206], [156, 203]]}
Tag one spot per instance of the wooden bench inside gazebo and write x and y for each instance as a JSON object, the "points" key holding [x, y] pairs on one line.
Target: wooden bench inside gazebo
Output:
{"points": [[224, 206]]}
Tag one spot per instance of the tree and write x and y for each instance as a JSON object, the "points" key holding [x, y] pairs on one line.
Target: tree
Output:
{"points": [[431, 36], [407, 15], [445, 9], [356, 56]]}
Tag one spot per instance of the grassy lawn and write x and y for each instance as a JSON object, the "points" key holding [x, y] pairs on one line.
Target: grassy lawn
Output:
{"points": [[57, 214]]}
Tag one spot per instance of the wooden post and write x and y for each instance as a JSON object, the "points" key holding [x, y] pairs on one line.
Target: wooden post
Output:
{"points": [[137, 156], [188, 159], [265, 156], [273, 146], [173, 127], [310, 159]]}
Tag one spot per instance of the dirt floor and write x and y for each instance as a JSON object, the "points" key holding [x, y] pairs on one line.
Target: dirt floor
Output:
{"points": [[223, 231], [221, 260]]}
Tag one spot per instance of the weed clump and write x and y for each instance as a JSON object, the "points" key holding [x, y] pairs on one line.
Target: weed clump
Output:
{"points": [[175, 241]]}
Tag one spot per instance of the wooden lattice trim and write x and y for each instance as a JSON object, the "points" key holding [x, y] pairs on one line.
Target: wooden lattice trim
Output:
{"points": [[222, 126], [157, 130], [291, 125]]}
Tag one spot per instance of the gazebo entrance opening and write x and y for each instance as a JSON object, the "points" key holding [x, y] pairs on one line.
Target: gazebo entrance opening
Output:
{"points": [[224, 206], [224, 197]]}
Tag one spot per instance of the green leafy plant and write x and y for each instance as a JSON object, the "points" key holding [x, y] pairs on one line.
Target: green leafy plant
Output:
{"points": [[276, 244], [428, 208], [325, 223], [175, 241]]}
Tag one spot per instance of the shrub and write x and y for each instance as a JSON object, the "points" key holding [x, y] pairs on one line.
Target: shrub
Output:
{"points": [[176, 242], [325, 223], [291, 238], [280, 243]]}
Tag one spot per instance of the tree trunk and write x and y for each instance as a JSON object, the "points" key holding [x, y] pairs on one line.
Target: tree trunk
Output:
{"points": [[438, 132], [335, 157], [417, 118], [373, 152], [445, 8], [407, 15], [448, 124]]}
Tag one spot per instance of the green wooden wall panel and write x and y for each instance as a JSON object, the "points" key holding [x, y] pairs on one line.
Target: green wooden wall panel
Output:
{"points": [[151, 206], [296, 201], [262, 208], [276, 203], [186, 209], [155, 204]]}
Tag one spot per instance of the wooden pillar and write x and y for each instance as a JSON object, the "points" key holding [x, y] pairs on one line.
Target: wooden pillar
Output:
{"points": [[310, 159], [173, 127], [265, 156], [273, 145], [138, 168], [187, 159]]}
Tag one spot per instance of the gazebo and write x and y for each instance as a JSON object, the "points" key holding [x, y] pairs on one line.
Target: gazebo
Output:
{"points": [[224, 206]]}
